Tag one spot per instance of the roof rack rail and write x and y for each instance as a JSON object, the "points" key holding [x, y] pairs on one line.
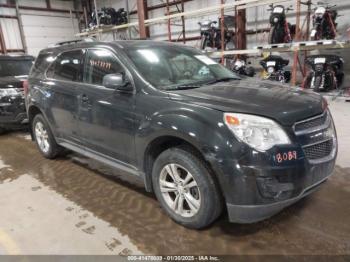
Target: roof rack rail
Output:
{"points": [[89, 39]]}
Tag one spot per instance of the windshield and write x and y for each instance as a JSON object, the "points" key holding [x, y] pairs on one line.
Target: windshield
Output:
{"points": [[172, 67], [15, 67]]}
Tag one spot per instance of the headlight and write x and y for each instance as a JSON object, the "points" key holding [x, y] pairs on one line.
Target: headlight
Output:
{"points": [[8, 92], [275, 20], [270, 69], [258, 132]]}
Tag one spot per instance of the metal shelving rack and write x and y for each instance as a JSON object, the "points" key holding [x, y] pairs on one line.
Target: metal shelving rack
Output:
{"points": [[301, 43]]}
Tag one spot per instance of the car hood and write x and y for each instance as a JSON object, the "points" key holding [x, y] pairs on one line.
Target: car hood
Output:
{"points": [[265, 98], [12, 81]]}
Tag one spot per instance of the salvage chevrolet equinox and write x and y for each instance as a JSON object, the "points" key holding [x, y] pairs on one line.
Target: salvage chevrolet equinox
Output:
{"points": [[199, 137]]}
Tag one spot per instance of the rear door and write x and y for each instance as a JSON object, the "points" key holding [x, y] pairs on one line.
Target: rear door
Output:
{"points": [[106, 116], [61, 94]]}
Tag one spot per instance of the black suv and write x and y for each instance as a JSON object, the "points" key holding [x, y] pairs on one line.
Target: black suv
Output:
{"points": [[13, 78], [202, 139]]}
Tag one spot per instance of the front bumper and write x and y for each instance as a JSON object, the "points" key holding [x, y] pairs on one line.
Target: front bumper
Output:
{"points": [[245, 214], [257, 185]]}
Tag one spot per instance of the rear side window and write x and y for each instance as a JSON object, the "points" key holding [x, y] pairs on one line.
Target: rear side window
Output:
{"points": [[100, 62], [67, 66]]}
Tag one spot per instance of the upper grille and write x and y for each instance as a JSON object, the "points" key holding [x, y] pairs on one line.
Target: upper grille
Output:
{"points": [[311, 123], [320, 150]]}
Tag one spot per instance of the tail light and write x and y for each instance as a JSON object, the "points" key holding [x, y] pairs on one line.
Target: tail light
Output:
{"points": [[25, 85]]}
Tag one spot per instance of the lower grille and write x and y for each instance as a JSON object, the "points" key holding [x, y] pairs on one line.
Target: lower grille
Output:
{"points": [[320, 150]]}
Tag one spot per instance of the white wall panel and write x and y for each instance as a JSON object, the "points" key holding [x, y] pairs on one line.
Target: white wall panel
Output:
{"points": [[11, 33]]}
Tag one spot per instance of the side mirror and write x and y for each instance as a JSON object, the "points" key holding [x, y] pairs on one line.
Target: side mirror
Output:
{"points": [[118, 82]]}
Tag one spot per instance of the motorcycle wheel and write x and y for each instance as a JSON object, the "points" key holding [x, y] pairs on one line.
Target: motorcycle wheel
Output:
{"points": [[276, 36], [204, 41], [249, 71], [317, 83]]}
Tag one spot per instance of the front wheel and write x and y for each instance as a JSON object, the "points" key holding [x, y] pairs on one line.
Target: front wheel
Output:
{"points": [[276, 35], [318, 83], [44, 138], [185, 188], [204, 41]]}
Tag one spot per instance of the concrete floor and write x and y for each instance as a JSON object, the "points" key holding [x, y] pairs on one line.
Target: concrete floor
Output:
{"points": [[71, 206]]}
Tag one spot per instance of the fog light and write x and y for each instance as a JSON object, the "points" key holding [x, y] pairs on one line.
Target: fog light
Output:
{"points": [[269, 187]]}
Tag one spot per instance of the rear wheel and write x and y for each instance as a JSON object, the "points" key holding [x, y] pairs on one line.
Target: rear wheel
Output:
{"points": [[185, 189], [44, 139]]}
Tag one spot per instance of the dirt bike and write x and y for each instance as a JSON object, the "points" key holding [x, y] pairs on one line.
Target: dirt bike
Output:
{"points": [[281, 31], [324, 22], [211, 35]]}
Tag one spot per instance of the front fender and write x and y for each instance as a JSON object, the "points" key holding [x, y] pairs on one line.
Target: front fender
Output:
{"points": [[202, 128], [206, 131]]}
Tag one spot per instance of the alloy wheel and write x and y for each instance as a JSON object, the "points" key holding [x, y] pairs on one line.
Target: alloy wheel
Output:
{"points": [[180, 190], [42, 137]]}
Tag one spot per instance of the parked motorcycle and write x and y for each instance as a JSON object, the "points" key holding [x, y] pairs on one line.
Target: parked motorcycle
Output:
{"points": [[281, 31], [274, 69], [109, 16], [326, 72], [240, 67], [211, 35], [324, 23]]}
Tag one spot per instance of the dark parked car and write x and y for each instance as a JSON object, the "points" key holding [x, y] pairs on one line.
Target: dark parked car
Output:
{"points": [[13, 76], [198, 136]]}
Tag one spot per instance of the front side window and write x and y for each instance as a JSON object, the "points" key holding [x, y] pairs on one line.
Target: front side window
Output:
{"points": [[170, 67], [67, 66], [100, 62]]}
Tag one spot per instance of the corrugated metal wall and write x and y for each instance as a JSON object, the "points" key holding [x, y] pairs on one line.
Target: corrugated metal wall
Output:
{"points": [[40, 28], [44, 28]]}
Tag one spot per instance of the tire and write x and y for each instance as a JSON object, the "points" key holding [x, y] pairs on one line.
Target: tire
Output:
{"points": [[2, 131], [203, 42], [250, 71], [276, 36], [48, 148], [204, 194], [317, 83]]}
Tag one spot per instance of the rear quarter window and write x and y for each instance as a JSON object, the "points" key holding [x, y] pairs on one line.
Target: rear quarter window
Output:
{"points": [[41, 64]]}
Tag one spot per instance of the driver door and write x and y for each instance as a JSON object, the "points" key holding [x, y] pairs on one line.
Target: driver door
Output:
{"points": [[106, 116]]}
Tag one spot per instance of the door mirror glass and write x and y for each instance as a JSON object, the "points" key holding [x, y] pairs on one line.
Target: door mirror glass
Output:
{"points": [[117, 81]]}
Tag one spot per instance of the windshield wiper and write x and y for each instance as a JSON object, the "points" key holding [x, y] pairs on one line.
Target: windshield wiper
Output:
{"points": [[185, 87]]}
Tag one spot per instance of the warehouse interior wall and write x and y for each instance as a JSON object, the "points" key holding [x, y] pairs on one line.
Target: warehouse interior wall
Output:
{"points": [[44, 28], [41, 28]]}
